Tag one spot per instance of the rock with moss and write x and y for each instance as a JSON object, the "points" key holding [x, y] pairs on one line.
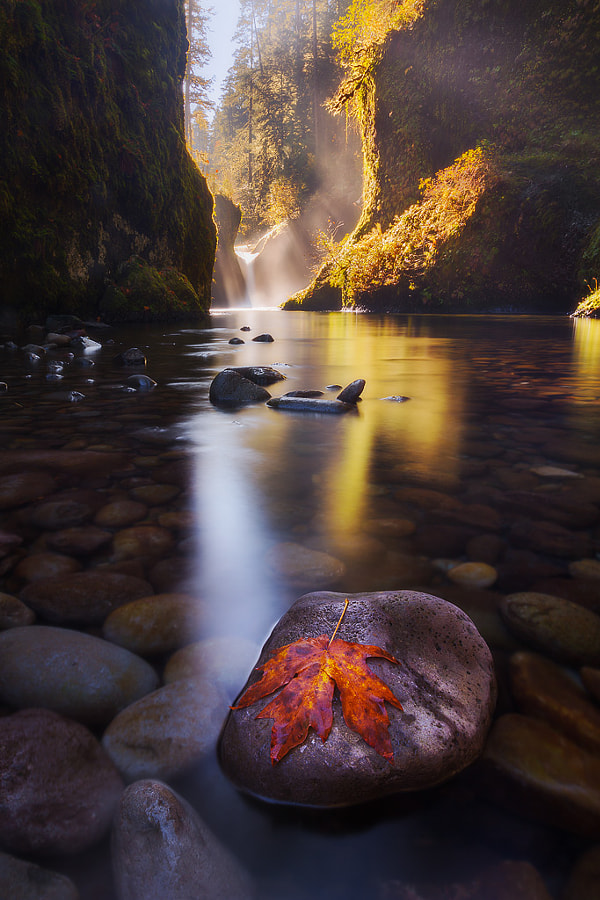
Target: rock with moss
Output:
{"points": [[141, 292], [93, 156]]}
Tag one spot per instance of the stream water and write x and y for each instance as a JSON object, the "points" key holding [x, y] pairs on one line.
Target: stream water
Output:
{"points": [[489, 400]]}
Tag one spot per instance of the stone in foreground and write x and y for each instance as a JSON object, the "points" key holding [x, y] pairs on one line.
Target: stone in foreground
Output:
{"points": [[161, 849], [445, 683]]}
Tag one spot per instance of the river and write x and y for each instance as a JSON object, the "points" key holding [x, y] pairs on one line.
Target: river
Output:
{"points": [[466, 406]]}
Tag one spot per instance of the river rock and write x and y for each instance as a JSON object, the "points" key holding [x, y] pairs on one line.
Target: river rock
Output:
{"points": [[562, 630], [229, 388], [21, 880], [46, 565], [444, 680], [584, 879], [131, 357], [143, 541], [551, 539], [224, 661], [84, 597], [591, 680], [81, 541], [310, 404], [473, 574], [390, 527], [303, 567], [155, 494], [351, 393], [75, 462], [19, 488], [120, 513], [545, 690], [69, 510], [262, 375], [72, 673], [141, 383], [59, 788], [14, 613], [165, 733], [264, 338], [162, 850], [157, 624], [534, 771], [586, 570]]}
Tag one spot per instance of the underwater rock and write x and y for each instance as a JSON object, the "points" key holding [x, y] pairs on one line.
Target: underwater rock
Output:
{"points": [[22, 880], [162, 850], [20, 488], [60, 789], [141, 383], [304, 567], [157, 624], [83, 597], [441, 730]]}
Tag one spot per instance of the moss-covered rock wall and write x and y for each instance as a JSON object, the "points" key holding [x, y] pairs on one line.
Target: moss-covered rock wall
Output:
{"points": [[93, 163], [490, 107]]}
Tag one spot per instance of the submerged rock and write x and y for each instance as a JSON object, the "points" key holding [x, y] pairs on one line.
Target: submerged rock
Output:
{"points": [[59, 788], [83, 597], [74, 674], [444, 680], [21, 880], [162, 850], [310, 404]]}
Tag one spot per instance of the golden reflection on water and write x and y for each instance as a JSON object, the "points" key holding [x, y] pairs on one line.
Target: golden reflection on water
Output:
{"points": [[586, 348]]}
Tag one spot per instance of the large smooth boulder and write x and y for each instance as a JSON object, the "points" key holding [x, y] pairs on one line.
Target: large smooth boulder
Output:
{"points": [[157, 624], [59, 788], [75, 674], [231, 389], [21, 880], [445, 682], [162, 850]]}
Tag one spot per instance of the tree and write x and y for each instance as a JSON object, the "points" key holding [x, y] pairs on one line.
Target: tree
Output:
{"points": [[197, 103]]}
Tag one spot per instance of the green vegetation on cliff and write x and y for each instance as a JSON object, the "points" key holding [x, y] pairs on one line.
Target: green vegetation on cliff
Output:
{"points": [[93, 162], [481, 153]]}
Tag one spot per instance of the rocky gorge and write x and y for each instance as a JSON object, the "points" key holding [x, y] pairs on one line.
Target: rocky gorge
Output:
{"points": [[110, 667]]}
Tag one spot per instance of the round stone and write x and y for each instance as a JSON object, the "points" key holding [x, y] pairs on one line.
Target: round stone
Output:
{"points": [[142, 541], [586, 569], [72, 673], [395, 528], [473, 574], [120, 513], [157, 624], [303, 567], [229, 388], [59, 788], [155, 494], [24, 487], [46, 565], [81, 541], [162, 849], [63, 513], [21, 880], [14, 613], [84, 597], [224, 661], [559, 628], [165, 733], [443, 677]]}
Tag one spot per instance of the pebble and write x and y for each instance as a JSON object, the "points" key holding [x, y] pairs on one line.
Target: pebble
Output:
{"points": [[60, 789], [20, 488], [535, 772], [441, 730], [473, 574], [21, 880], [85, 598], [143, 541], [166, 732], [302, 567], [224, 661], [59, 514], [395, 528], [120, 513], [72, 673], [545, 690], [155, 494], [586, 569], [551, 539], [155, 625], [84, 540], [14, 613], [162, 850], [565, 631], [39, 566]]}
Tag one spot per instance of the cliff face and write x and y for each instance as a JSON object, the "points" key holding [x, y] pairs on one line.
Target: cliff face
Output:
{"points": [[93, 164], [481, 162]]}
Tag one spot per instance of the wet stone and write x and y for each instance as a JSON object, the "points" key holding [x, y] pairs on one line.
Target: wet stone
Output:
{"points": [[59, 514], [22, 880], [441, 730], [585, 877], [84, 597], [162, 849], [72, 673], [155, 494], [550, 538], [535, 771], [144, 541], [262, 375], [473, 574], [82, 541], [565, 631], [302, 566], [39, 566], [155, 625], [60, 789], [19, 488], [229, 388], [224, 661], [120, 513], [166, 732], [14, 613], [351, 393], [545, 690]]}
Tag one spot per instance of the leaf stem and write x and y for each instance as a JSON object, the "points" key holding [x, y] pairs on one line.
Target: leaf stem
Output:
{"points": [[339, 623]]}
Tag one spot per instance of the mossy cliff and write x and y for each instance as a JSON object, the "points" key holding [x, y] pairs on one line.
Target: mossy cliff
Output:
{"points": [[481, 146], [93, 163]]}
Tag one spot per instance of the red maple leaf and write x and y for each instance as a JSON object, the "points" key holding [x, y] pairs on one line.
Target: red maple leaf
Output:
{"points": [[310, 669]]}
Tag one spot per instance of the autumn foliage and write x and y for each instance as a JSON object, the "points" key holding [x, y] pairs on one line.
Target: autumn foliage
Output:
{"points": [[309, 670]]}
